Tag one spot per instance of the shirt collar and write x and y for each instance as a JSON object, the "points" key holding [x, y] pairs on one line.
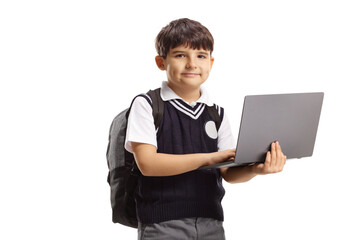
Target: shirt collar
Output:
{"points": [[167, 94]]}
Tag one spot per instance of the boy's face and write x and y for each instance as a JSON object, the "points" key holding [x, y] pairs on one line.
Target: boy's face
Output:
{"points": [[186, 68]]}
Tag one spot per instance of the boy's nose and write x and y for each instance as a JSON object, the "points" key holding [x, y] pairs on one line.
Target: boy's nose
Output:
{"points": [[190, 64]]}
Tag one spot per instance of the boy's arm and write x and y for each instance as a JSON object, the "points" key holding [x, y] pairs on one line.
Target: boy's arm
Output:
{"points": [[274, 162], [152, 163]]}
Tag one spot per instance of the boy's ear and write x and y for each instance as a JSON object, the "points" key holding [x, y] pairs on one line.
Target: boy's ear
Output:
{"points": [[211, 62], [160, 62]]}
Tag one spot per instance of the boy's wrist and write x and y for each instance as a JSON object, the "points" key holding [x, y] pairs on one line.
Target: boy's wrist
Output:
{"points": [[208, 159]]}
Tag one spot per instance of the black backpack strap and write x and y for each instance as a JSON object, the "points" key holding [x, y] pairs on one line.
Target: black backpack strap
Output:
{"points": [[157, 106], [140, 95], [217, 113]]}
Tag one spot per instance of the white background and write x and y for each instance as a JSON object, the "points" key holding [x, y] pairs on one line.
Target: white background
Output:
{"points": [[68, 67]]}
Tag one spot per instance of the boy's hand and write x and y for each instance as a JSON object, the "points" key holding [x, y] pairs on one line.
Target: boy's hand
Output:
{"points": [[222, 156], [274, 162]]}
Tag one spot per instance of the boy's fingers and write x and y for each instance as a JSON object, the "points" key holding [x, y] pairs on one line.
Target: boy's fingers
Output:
{"points": [[268, 159], [273, 155], [281, 156], [278, 145], [227, 155], [232, 152], [278, 149]]}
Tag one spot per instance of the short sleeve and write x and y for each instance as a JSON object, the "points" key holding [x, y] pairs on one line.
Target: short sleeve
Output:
{"points": [[225, 137], [140, 126]]}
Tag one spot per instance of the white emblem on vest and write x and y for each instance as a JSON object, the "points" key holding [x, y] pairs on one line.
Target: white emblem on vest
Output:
{"points": [[210, 129]]}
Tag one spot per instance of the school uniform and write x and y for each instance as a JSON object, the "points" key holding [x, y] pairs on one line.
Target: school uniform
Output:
{"points": [[187, 204]]}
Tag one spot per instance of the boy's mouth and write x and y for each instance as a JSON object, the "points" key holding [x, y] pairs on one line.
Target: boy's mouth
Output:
{"points": [[190, 74]]}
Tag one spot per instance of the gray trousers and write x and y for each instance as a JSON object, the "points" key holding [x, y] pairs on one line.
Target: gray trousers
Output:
{"points": [[183, 229]]}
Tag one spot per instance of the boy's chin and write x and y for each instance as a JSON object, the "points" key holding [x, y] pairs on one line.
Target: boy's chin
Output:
{"points": [[192, 82], [186, 84], [191, 86]]}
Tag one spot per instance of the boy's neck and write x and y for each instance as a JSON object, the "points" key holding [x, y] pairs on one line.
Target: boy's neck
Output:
{"points": [[188, 95]]}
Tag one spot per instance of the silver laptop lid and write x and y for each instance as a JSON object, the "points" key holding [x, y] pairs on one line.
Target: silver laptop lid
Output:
{"points": [[292, 119]]}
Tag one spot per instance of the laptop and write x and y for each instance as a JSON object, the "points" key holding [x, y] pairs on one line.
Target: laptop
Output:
{"points": [[291, 119]]}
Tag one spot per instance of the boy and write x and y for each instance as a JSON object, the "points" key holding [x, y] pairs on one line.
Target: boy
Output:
{"points": [[174, 200]]}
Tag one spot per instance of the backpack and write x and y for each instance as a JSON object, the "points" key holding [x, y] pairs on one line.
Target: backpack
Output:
{"points": [[123, 171]]}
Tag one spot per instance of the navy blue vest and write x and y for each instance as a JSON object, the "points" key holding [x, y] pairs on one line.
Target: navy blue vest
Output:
{"points": [[194, 194]]}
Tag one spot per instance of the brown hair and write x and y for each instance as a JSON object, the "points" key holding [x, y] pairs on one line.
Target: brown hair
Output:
{"points": [[183, 32]]}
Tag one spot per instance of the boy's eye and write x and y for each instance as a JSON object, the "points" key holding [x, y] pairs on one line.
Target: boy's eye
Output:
{"points": [[180, 55], [201, 56]]}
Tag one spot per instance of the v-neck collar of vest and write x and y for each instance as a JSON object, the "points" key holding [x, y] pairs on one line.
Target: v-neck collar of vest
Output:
{"points": [[193, 112]]}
